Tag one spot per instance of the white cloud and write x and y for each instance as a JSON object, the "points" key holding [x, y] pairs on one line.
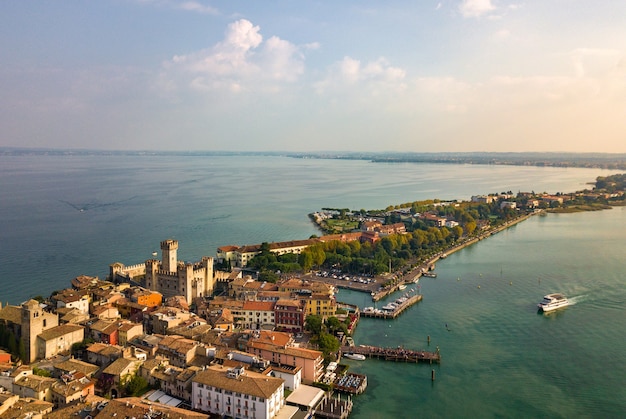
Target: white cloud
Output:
{"points": [[372, 75], [243, 61], [476, 8]]}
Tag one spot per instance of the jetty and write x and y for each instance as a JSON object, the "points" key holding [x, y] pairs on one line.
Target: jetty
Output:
{"points": [[334, 408], [392, 310], [351, 383], [395, 354]]}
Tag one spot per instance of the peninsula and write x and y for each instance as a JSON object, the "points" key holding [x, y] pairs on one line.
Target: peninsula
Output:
{"points": [[255, 331]]}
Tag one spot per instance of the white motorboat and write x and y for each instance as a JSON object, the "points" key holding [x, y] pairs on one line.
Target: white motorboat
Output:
{"points": [[356, 357], [552, 302]]}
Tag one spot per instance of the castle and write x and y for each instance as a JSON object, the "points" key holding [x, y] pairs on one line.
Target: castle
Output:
{"points": [[169, 276]]}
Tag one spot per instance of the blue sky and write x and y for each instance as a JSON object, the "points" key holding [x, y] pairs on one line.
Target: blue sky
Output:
{"points": [[419, 76]]}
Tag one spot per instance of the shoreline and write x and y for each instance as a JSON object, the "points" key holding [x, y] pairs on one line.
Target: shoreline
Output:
{"points": [[416, 272]]}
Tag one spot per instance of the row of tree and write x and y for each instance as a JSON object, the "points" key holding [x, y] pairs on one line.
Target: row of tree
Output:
{"points": [[391, 252]]}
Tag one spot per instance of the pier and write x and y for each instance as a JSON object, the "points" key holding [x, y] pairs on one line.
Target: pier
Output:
{"points": [[395, 354], [392, 314], [334, 408], [351, 383]]}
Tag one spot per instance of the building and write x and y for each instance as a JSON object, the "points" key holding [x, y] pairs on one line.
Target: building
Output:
{"points": [[128, 331], [117, 374], [238, 393], [71, 298], [71, 387], [58, 339], [34, 320], [279, 349], [482, 199], [102, 354], [245, 253], [148, 298], [258, 315], [135, 407], [169, 276], [180, 351], [35, 387], [289, 315]]}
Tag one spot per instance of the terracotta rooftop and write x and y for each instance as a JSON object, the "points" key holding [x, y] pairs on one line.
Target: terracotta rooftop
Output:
{"points": [[136, 407], [120, 365], [58, 331], [77, 365], [250, 383], [258, 305], [12, 314]]}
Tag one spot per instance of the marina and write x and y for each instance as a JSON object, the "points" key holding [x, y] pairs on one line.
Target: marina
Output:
{"points": [[393, 309]]}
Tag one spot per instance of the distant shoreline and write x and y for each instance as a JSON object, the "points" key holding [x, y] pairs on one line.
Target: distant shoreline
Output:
{"points": [[609, 161]]}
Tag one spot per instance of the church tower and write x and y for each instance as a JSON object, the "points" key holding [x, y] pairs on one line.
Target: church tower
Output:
{"points": [[32, 325], [169, 256]]}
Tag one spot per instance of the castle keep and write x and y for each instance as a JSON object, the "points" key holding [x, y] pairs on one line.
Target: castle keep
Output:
{"points": [[169, 276]]}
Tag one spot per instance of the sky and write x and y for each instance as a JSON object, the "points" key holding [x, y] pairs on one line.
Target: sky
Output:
{"points": [[297, 75]]}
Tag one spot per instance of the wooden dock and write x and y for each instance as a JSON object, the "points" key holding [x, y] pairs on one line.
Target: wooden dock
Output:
{"points": [[395, 354], [392, 314]]}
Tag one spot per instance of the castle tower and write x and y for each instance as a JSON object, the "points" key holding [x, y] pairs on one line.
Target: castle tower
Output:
{"points": [[169, 259]]}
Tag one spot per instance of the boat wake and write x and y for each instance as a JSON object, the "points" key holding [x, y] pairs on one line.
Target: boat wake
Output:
{"points": [[82, 207], [577, 299]]}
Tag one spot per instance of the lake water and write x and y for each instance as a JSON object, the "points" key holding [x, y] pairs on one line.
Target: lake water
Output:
{"points": [[67, 216]]}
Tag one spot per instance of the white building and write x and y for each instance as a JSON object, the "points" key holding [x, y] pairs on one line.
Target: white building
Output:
{"points": [[237, 393]]}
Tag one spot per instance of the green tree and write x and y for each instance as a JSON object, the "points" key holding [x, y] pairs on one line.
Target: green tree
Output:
{"points": [[470, 227], [313, 324], [328, 343], [306, 261], [136, 386], [41, 372]]}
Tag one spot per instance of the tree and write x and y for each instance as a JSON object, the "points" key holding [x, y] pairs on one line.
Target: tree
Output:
{"points": [[313, 323], [470, 227], [41, 372], [327, 343], [136, 386], [306, 261]]}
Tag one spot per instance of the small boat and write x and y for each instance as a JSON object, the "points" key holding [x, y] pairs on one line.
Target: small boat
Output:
{"points": [[356, 357], [401, 287], [552, 302], [389, 307], [430, 274]]}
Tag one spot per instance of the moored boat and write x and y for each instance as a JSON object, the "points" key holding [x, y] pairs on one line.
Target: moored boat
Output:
{"points": [[356, 357]]}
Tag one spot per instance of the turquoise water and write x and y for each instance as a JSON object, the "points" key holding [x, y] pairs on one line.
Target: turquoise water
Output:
{"points": [[500, 359]]}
